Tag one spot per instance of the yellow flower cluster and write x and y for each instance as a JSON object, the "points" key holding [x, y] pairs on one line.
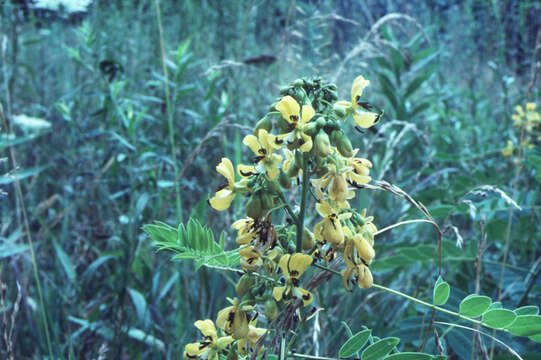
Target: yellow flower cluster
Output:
{"points": [[528, 121], [309, 145]]}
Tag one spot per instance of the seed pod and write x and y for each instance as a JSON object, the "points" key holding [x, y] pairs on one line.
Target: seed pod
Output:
{"points": [[267, 202], [323, 145], [311, 128], [254, 207], [293, 170], [271, 309], [342, 143], [245, 283], [321, 122], [307, 240], [298, 82], [264, 123], [273, 187], [331, 87], [284, 180]]}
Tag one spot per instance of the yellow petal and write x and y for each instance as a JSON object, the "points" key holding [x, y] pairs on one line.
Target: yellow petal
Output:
{"points": [[288, 107], [298, 264], [271, 171], [193, 351], [224, 341], [365, 280], [304, 295], [365, 119], [207, 328], [307, 143], [252, 142], [246, 170], [308, 113], [283, 263], [357, 89], [530, 106], [222, 321], [332, 231], [225, 167], [278, 292], [221, 203], [346, 274], [364, 249], [324, 209]]}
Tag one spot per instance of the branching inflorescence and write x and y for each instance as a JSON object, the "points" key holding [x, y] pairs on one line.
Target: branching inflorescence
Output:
{"points": [[316, 158]]}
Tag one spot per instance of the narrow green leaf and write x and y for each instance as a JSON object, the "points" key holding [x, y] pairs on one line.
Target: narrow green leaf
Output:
{"points": [[536, 338], [409, 356], [498, 318], [474, 305], [526, 325], [527, 310], [380, 349], [441, 292], [354, 344], [65, 261], [139, 302]]}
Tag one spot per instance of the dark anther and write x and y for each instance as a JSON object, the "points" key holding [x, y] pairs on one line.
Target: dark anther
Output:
{"points": [[364, 262], [364, 105], [294, 273], [282, 280], [294, 118], [313, 310], [245, 174], [358, 128], [278, 141], [262, 151], [221, 187], [295, 282], [289, 221], [306, 297], [257, 159]]}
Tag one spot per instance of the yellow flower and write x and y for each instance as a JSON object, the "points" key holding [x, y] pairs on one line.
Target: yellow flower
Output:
{"points": [[226, 193], [298, 121], [293, 266], [250, 259], [330, 228], [362, 276], [254, 333], [263, 146], [246, 230], [531, 106], [363, 119], [335, 184], [234, 319], [360, 173], [210, 342], [358, 250], [508, 150]]}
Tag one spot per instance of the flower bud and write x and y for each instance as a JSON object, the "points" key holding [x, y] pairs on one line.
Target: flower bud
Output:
{"points": [[264, 123], [342, 143], [298, 82], [307, 240], [323, 145], [245, 283], [267, 202], [284, 180], [271, 309], [254, 207], [365, 279], [311, 128]]}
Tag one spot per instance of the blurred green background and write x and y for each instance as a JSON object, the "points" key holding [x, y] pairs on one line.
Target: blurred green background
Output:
{"points": [[99, 137]]}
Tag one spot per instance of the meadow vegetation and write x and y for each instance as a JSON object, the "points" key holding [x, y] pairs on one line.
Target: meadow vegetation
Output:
{"points": [[114, 240]]}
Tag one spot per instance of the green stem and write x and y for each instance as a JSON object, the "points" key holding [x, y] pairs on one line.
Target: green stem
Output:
{"points": [[287, 207], [305, 185], [169, 111], [411, 298], [304, 356]]}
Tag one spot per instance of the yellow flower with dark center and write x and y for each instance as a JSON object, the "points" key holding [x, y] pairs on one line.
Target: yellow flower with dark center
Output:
{"points": [[363, 119], [263, 146], [249, 342], [293, 266], [250, 259], [298, 121], [246, 230], [226, 193], [336, 185], [362, 276], [234, 319], [360, 170], [210, 343], [330, 228]]}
